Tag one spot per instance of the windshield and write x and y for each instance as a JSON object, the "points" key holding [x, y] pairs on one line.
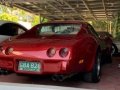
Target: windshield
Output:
{"points": [[60, 29]]}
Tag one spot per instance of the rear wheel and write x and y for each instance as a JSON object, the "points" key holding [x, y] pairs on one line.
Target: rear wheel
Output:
{"points": [[95, 75]]}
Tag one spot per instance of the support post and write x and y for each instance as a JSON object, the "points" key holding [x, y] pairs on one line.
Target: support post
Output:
{"points": [[110, 27], [107, 26], [40, 18], [115, 30]]}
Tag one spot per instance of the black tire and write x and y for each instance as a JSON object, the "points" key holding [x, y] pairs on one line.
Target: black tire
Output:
{"points": [[95, 75], [114, 49]]}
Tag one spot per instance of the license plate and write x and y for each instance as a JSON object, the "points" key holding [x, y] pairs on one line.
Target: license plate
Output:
{"points": [[29, 66]]}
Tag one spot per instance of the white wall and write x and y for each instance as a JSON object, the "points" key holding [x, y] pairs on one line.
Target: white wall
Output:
{"points": [[25, 24]]}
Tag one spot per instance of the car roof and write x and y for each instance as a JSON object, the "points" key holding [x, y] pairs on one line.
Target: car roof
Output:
{"points": [[67, 21], [5, 21]]}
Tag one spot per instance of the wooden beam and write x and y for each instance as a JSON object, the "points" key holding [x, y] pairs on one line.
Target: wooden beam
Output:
{"points": [[74, 9], [34, 4], [56, 9], [103, 2], [48, 12], [86, 5], [21, 1], [28, 10]]}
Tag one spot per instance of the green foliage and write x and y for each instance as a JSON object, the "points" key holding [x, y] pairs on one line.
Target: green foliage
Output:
{"points": [[101, 25], [117, 36], [8, 17], [45, 20], [36, 20]]}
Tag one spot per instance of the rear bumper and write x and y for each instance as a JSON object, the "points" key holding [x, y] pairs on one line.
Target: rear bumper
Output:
{"points": [[47, 66], [7, 63]]}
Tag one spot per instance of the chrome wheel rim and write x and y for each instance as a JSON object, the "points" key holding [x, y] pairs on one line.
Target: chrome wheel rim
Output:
{"points": [[98, 67], [113, 50]]}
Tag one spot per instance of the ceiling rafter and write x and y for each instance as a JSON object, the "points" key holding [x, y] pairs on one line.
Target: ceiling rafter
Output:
{"points": [[74, 10], [103, 2], [86, 5], [48, 12], [17, 5], [69, 9], [63, 15], [42, 8]]}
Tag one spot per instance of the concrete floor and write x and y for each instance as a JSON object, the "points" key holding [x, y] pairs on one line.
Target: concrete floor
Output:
{"points": [[110, 79]]}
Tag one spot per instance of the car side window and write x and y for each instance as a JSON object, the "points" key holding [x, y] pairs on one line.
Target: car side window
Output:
{"points": [[20, 29], [7, 29], [11, 29]]}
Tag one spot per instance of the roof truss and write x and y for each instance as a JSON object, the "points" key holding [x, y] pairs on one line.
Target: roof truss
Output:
{"points": [[70, 9]]}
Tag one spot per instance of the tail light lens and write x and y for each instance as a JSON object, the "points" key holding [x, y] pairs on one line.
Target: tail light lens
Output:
{"points": [[9, 50], [51, 52], [63, 52]]}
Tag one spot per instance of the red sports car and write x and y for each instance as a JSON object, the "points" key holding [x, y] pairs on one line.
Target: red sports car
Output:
{"points": [[61, 48]]}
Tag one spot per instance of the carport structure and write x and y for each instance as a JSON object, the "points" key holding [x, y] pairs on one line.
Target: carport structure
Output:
{"points": [[84, 10]]}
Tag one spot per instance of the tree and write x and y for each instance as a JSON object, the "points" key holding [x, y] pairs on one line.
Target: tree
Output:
{"points": [[15, 14], [100, 25], [8, 17], [36, 20]]}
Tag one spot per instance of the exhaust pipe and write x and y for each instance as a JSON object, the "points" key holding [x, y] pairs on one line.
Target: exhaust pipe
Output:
{"points": [[3, 72], [60, 78], [0, 71], [55, 77]]}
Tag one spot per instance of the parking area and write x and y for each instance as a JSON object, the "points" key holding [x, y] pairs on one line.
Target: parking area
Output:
{"points": [[102, 16], [110, 79]]}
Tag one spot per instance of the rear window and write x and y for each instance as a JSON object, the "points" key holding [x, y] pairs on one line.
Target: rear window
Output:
{"points": [[59, 29]]}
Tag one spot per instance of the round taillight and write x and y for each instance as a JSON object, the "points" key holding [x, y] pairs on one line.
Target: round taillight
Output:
{"points": [[63, 52], [8, 50], [51, 52]]}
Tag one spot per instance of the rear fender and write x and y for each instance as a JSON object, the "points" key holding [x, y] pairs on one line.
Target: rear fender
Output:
{"points": [[90, 56]]}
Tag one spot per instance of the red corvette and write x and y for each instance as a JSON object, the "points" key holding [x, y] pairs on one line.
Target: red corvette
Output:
{"points": [[61, 48]]}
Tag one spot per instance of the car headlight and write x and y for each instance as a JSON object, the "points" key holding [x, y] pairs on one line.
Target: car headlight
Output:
{"points": [[63, 52], [9, 50], [51, 52]]}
